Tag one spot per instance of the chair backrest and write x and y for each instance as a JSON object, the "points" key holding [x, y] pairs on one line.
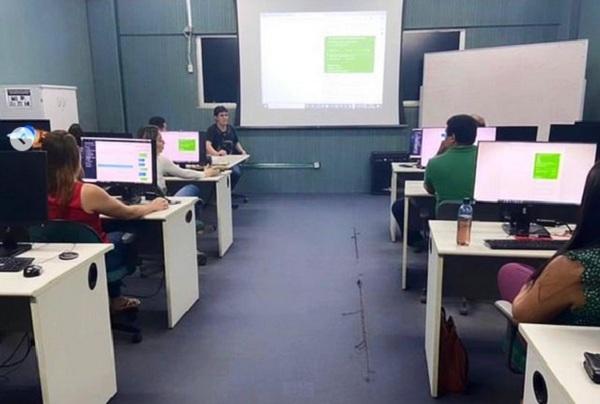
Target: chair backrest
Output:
{"points": [[63, 231], [511, 279]]}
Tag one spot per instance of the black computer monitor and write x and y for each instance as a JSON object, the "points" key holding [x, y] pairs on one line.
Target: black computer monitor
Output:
{"points": [[109, 135], [516, 133], [575, 134], [128, 163], [23, 196], [185, 147], [7, 126]]}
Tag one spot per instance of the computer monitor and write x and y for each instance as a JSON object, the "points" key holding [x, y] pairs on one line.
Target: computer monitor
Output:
{"points": [[23, 196], [128, 162], [185, 147], [575, 134], [528, 172], [109, 135], [7, 126], [516, 133], [416, 140], [433, 137]]}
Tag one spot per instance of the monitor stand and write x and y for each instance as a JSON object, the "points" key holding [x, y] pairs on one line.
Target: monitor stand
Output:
{"points": [[131, 196], [9, 246], [521, 222]]}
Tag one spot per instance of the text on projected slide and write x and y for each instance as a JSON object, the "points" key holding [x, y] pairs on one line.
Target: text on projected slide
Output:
{"points": [[322, 60]]}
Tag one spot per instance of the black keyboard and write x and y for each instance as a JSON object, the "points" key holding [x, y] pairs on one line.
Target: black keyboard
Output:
{"points": [[14, 264], [528, 244]]}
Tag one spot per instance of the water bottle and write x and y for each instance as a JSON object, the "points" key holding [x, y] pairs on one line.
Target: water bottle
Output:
{"points": [[463, 226]]}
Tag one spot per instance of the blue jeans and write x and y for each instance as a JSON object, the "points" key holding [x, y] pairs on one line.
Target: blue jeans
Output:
{"points": [[115, 260], [236, 173], [191, 190]]}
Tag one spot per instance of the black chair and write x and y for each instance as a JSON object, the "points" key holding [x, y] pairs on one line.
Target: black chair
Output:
{"points": [[62, 231]]}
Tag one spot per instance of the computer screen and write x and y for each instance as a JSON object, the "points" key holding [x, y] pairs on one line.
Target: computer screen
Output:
{"points": [[131, 161], [9, 125], [23, 188], [532, 172], [432, 137], [516, 133], [109, 135], [185, 147], [416, 140]]}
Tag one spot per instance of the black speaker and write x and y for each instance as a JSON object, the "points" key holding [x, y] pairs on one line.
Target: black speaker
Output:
{"points": [[381, 170]]}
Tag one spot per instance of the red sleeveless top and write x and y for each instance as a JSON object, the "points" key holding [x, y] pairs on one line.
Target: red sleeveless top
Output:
{"points": [[75, 213]]}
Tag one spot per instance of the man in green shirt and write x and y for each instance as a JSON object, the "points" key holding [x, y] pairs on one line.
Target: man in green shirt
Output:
{"points": [[450, 176]]}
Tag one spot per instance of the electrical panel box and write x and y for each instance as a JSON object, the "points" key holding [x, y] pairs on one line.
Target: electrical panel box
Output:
{"points": [[58, 104]]}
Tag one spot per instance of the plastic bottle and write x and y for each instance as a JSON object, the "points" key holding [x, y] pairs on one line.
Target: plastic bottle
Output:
{"points": [[463, 225]]}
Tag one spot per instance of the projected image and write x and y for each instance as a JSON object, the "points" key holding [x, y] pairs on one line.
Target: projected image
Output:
{"points": [[332, 60]]}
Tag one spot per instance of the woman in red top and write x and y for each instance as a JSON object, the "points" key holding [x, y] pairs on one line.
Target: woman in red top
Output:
{"points": [[71, 199]]}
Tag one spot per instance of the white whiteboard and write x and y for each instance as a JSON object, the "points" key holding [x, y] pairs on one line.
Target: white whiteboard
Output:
{"points": [[538, 84]]}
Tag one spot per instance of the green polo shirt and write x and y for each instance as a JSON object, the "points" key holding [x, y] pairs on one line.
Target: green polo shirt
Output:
{"points": [[452, 174]]}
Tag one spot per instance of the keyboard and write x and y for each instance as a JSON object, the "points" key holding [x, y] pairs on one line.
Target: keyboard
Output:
{"points": [[528, 244], [14, 264]]}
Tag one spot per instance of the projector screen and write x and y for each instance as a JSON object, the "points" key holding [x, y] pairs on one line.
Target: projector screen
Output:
{"points": [[319, 63]]}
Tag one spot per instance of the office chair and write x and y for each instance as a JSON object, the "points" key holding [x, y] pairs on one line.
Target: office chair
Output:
{"points": [[63, 231], [511, 279]]}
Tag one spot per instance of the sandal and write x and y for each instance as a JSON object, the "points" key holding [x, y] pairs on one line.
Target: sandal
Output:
{"points": [[123, 303]]}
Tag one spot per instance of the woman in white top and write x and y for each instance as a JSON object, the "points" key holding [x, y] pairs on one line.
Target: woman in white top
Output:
{"points": [[166, 168]]}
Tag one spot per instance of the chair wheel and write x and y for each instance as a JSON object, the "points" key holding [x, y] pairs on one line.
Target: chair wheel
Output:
{"points": [[202, 259], [137, 338]]}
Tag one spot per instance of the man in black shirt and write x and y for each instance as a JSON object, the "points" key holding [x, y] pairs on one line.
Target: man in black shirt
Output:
{"points": [[222, 140]]}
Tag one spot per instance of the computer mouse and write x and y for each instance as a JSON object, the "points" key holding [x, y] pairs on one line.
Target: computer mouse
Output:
{"points": [[68, 255], [32, 271]]}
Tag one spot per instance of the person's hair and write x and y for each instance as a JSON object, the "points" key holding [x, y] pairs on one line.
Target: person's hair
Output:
{"points": [[479, 119], [77, 132], [463, 128], [64, 164], [218, 109], [587, 232], [148, 132], [158, 121]]}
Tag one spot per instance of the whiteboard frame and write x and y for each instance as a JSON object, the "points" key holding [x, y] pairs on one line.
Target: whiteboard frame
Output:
{"points": [[202, 104], [461, 46]]}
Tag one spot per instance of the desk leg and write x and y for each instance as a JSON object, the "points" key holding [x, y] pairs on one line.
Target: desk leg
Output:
{"points": [[405, 241], [224, 216], [393, 196], [181, 265], [435, 272], [73, 339]]}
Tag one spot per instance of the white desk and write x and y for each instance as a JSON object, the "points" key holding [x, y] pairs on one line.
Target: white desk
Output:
{"points": [[442, 244], [222, 184], [555, 354], [405, 171], [230, 160], [70, 321], [178, 229], [412, 189]]}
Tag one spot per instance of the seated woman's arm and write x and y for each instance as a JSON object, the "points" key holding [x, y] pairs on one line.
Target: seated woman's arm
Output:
{"points": [[171, 169], [557, 289], [96, 200]]}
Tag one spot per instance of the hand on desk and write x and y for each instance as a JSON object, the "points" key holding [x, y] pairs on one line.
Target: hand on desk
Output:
{"points": [[222, 153], [158, 204], [211, 171]]}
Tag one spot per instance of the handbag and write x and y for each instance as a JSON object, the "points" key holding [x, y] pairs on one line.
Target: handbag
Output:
{"points": [[454, 362]]}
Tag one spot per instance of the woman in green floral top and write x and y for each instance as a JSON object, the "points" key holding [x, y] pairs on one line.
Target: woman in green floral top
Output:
{"points": [[567, 289]]}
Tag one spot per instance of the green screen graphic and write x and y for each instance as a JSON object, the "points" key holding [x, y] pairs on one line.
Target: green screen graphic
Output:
{"points": [[547, 166], [349, 54], [187, 145]]}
